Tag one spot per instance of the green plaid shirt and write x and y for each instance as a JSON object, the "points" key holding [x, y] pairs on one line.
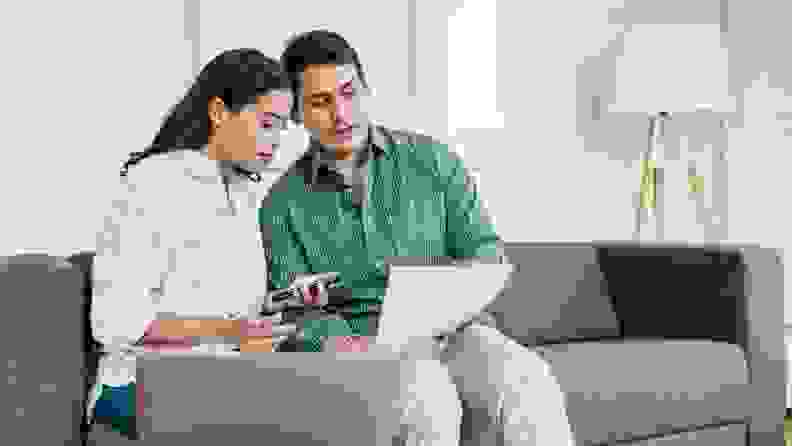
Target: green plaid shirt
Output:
{"points": [[419, 205]]}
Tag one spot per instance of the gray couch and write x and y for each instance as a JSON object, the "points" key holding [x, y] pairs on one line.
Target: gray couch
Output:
{"points": [[655, 344], [651, 344]]}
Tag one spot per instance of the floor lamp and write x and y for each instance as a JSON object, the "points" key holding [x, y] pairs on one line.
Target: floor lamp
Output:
{"points": [[647, 218], [666, 70]]}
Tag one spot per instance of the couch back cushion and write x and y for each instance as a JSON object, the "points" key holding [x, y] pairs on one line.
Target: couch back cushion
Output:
{"points": [[556, 293]]}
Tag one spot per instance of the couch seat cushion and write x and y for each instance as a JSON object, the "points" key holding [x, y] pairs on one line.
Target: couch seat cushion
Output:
{"points": [[618, 390]]}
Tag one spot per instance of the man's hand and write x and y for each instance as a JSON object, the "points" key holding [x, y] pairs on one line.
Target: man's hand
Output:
{"points": [[306, 289], [313, 287], [484, 318]]}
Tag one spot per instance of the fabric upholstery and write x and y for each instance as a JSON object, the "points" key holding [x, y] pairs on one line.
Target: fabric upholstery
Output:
{"points": [[43, 389], [624, 390], [556, 293], [729, 294], [728, 435]]}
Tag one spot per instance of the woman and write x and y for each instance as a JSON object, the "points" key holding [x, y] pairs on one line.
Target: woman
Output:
{"points": [[183, 238]]}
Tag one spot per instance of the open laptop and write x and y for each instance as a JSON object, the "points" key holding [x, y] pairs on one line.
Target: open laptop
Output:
{"points": [[299, 398]]}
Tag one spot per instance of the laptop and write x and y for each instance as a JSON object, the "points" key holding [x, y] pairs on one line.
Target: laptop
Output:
{"points": [[299, 398], [429, 300]]}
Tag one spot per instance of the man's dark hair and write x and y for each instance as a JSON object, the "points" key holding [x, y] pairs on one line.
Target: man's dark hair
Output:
{"points": [[318, 47], [237, 77]]}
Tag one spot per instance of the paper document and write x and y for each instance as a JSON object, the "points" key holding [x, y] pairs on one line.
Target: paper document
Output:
{"points": [[425, 301]]}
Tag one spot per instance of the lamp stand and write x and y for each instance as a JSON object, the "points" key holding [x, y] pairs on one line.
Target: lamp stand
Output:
{"points": [[649, 215]]}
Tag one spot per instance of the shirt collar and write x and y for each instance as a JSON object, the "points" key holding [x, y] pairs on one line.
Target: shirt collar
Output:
{"points": [[376, 146]]}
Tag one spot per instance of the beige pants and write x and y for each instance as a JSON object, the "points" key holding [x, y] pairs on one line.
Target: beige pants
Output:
{"points": [[510, 394], [431, 410]]}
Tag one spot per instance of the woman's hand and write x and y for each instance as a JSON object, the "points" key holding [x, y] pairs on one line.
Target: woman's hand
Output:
{"points": [[180, 332]]}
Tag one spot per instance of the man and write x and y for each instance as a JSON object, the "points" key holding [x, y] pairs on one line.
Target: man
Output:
{"points": [[364, 196]]}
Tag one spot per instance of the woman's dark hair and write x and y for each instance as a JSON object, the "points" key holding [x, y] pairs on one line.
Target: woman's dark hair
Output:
{"points": [[237, 77], [318, 47]]}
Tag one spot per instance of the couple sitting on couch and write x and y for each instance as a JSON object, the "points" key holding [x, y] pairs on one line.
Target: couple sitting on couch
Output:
{"points": [[233, 198]]}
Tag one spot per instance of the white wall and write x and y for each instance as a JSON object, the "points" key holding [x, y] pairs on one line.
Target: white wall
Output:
{"points": [[382, 43], [540, 182], [760, 150], [84, 84]]}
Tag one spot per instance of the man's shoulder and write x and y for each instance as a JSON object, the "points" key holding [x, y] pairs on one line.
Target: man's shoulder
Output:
{"points": [[422, 148]]}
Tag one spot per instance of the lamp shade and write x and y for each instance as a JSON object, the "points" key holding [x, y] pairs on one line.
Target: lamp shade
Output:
{"points": [[672, 68]]}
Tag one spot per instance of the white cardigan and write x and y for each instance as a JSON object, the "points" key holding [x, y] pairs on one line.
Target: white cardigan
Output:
{"points": [[172, 246]]}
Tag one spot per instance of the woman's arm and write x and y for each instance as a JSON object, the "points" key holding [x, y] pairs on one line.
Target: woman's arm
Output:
{"points": [[128, 268]]}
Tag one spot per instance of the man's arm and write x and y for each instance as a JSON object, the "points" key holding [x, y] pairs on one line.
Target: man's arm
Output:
{"points": [[470, 232]]}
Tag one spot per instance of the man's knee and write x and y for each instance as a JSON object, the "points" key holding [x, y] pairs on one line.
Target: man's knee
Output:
{"points": [[489, 368], [430, 402]]}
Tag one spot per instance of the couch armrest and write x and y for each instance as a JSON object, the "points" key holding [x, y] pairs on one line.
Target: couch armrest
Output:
{"points": [[729, 294], [763, 311], [41, 349]]}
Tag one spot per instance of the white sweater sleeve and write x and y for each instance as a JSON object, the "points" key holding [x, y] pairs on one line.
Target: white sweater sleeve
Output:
{"points": [[128, 268]]}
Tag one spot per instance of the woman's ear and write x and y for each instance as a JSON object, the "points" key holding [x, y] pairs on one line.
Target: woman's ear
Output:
{"points": [[217, 111]]}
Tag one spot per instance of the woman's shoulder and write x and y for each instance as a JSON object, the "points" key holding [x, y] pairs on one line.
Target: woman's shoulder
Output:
{"points": [[163, 177], [172, 166]]}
